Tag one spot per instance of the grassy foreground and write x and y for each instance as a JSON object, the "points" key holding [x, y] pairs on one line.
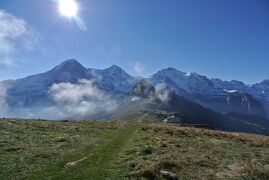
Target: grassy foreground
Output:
{"points": [[111, 150]]}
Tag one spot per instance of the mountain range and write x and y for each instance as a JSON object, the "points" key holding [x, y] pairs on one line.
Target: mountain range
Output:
{"points": [[201, 99]]}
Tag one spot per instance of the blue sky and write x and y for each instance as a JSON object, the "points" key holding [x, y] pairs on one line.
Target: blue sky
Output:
{"points": [[228, 39]]}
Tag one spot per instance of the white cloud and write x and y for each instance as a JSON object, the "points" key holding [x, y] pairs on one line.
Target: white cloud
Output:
{"points": [[15, 35], [4, 85], [139, 68], [74, 93], [2, 96], [162, 92], [82, 98]]}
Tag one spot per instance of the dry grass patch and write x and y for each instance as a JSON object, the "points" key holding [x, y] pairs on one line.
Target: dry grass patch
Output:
{"points": [[192, 153]]}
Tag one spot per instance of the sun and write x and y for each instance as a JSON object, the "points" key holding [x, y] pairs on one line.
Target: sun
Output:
{"points": [[68, 8]]}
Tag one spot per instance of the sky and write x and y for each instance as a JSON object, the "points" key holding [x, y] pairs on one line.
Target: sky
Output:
{"points": [[226, 39]]}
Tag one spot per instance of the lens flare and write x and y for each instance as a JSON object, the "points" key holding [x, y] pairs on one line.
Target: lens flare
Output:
{"points": [[68, 8]]}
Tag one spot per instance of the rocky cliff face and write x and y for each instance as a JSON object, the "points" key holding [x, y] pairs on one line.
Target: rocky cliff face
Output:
{"points": [[221, 96]]}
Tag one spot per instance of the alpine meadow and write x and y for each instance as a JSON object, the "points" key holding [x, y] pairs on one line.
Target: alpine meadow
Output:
{"points": [[115, 90]]}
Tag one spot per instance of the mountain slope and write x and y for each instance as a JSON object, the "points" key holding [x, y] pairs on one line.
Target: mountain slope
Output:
{"points": [[112, 79], [33, 90], [211, 93], [146, 98], [221, 96], [112, 92]]}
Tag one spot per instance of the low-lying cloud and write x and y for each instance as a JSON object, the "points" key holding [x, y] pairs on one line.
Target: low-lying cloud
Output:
{"points": [[74, 93], [162, 92], [69, 100], [81, 99], [3, 104]]}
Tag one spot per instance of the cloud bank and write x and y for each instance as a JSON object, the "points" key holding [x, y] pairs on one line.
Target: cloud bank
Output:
{"points": [[74, 93], [81, 99], [162, 92], [69, 101], [3, 105]]}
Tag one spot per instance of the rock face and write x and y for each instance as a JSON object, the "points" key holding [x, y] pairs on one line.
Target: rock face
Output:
{"points": [[112, 79], [233, 102], [221, 96], [143, 89], [148, 98]]}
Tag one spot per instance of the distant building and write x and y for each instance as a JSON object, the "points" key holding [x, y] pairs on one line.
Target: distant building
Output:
{"points": [[172, 119]]}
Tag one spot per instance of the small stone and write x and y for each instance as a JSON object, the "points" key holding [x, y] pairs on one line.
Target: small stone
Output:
{"points": [[168, 175]]}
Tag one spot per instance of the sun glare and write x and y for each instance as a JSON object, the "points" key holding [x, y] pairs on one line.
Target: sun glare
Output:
{"points": [[68, 8]]}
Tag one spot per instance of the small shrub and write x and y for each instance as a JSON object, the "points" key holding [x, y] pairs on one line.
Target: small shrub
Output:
{"points": [[144, 128], [148, 174], [163, 145], [60, 139], [147, 150], [166, 165]]}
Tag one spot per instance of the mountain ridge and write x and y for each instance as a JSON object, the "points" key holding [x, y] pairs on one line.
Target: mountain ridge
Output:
{"points": [[265, 81], [218, 95], [148, 99]]}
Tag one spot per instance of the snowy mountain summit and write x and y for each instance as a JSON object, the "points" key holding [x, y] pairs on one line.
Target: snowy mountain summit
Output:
{"points": [[221, 96], [218, 95]]}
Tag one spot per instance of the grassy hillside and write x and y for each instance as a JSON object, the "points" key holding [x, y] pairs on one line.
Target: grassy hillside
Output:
{"points": [[112, 150]]}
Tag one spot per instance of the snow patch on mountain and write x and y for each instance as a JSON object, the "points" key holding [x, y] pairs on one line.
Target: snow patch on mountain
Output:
{"points": [[230, 90]]}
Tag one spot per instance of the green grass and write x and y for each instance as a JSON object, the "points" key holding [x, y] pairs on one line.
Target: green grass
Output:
{"points": [[42, 148], [112, 150], [96, 163]]}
